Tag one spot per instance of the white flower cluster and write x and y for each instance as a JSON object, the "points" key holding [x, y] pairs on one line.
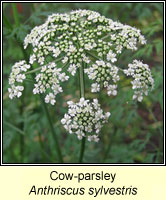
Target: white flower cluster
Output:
{"points": [[85, 119], [48, 81], [16, 77], [77, 36], [104, 74], [142, 79], [72, 40]]}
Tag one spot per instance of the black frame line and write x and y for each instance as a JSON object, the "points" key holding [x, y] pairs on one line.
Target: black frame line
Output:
{"points": [[83, 164]]}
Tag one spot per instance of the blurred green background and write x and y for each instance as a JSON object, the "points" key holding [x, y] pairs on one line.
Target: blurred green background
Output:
{"points": [[134, 133]]}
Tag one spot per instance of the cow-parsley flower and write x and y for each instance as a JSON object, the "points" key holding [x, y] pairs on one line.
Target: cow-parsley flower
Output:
{"points": [[75, 36], [17, 77], [142, 79], [85, 119], [103, 74], [76, 40], [49, 80]]}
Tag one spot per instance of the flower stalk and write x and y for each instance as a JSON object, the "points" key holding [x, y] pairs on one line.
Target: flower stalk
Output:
{"points": [[82, 84], [34, 70], [82, 94], [60, 159]]}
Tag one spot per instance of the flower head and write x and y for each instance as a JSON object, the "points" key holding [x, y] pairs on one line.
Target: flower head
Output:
{"points": [[85, 119], [48, 81], [75, 36], [103, 74], [142, 79], [71, 39], [16, 78]]}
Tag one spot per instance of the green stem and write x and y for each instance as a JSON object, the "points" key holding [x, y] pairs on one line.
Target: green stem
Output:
{"points": [[22, 145], [22, 137], [37, 69], [60, 159], [110, 144], [15, 14], [44, 154], [34, 70], [105, 37], [92, 55], [82, 87], [82, 149], [161, 134], [82, 94], [7, 23], [14, 128]]}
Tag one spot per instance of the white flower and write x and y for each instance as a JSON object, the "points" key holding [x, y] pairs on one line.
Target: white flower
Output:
{"points": [[56, 52], [36, 90], [88, 46], [72, 69], [72, 112], [32, 59], [95, 101], [66, 119], [138, 95], [136, 84], [94, 138], [92, 76], [111, 56], [88, 129], [100, 63], [102, 73], [17, 75], [50, 98], [70, 103], [78, 110], [41, 60], [63, 77], [88, 108], [80, 134], [85, 117], [111, 89], [119, 49], [72, 49], [129, 72], [95, 87], [86, 59], [65, 59], [142, 79], [142, 39], [20, 77], [15, 91], [99, 114], [107, 115], [48, 81], [82, 102]]}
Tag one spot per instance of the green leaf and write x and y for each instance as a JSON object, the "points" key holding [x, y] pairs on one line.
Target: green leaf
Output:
{"points": [[158, 43], [14, 128], [7, 139]]}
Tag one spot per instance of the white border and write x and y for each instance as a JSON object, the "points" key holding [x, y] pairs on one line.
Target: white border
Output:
{"points": [[2, 84]]}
